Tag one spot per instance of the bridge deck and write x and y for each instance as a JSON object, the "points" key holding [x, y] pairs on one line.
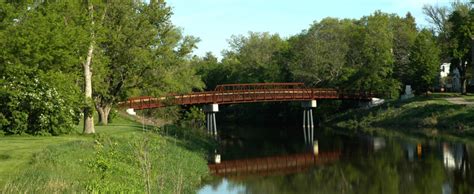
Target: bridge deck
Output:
{"points": [[245, 93]]}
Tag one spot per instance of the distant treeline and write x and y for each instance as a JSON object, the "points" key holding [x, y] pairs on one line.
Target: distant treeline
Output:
{"points": [[380, 52]]}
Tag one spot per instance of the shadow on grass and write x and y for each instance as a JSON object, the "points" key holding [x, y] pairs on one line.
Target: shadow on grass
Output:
{"points": [[195, 140], [428, 115], [190, 139], [461, 121], [422, 116]]}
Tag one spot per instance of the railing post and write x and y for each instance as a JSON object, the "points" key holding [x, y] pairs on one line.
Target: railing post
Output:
{"points": [[148, 105], [213, 98], [264, 94], [254, 94], [141, 103]]}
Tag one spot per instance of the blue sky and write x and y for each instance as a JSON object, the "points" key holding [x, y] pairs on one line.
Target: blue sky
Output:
{"points": [[214, 21]]}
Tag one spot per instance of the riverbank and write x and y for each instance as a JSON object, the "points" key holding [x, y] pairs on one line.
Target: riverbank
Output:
{"points": [[120, 157], [439, 116]]}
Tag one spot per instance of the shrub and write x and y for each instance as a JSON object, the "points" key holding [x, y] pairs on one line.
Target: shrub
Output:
{"points": [[194, 118], [31, 105]]}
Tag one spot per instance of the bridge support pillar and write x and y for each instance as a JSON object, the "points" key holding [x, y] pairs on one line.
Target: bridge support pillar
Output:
{"points": [[211, 110], [308, 123]]}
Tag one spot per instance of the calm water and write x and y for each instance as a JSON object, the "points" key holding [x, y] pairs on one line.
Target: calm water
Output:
{"points": [[277, 161]]}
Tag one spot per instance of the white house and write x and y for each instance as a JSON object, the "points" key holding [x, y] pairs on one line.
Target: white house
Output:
{"points": [[449, 79], [444, 70]]}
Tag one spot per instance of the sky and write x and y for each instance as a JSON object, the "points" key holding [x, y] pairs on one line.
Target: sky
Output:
{"points": [[215, 21]]}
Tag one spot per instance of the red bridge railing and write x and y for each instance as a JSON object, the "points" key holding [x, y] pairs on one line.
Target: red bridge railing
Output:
{"points": [[273, 165], [259, 86], [246, 93]]}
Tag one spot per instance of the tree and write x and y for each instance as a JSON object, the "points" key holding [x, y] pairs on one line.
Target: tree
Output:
{"points": [[461, 34], [88, 110], [424, 59], [140, 49], [376, 69], [252, 58], [212, 72], [40, 50], [319, 55], [438, 17], [404, 34], [454, 28]]}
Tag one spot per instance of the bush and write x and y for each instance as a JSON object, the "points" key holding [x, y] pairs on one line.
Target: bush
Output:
{"points": [[194, 118], [31, 105]]}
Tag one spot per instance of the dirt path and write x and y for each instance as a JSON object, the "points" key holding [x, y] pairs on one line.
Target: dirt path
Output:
{"points": [[459, 100]]}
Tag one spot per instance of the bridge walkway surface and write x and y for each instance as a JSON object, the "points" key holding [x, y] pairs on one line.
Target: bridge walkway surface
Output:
{"points": [[247, 93]]}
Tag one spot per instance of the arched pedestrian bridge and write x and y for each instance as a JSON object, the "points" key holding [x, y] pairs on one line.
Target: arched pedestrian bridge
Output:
{"points": [[248, 93]]}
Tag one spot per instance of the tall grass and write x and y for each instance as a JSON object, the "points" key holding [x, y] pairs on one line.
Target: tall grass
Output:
{"points": [[145, 163], [120, 158]]}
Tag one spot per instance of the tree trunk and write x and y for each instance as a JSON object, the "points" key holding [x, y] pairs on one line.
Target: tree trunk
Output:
{"points": [[88, 113], [88, 118], [463, 86], [104, 114], [462, 72]]}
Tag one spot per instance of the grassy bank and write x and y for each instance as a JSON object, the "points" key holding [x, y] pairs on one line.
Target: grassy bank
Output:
{"points": [[429, 116], [120, 157]]}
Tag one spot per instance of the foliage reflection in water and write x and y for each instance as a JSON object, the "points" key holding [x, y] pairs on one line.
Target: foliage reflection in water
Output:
{"points": [[364, 164]]}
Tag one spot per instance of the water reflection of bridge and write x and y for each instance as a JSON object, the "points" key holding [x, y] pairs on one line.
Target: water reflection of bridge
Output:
{"points": [[273, 165]]}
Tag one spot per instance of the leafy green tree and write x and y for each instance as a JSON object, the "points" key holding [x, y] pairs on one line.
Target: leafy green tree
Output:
{"points": [[41, 46], [461, 35], [376, 69], [319, 54], [404, 34], [212, 72], [43, 39], [253, 58], [454, 28], [141, 53], [424, 59], [90, 25]]}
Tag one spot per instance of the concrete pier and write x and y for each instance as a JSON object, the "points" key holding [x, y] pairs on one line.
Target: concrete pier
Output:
{"points": [[308, 123], [211, 110]]}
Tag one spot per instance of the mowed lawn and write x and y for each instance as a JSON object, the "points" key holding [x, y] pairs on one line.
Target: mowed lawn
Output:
{"points": [[16, 151]]}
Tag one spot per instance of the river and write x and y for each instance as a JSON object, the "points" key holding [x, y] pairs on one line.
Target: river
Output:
{"points": [[275, 160]]}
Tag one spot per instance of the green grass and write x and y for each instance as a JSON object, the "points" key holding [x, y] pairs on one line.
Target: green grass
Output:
{"points": [[469, 97], [428, 116], [16, 152], [119, 158], [445, 95]]}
